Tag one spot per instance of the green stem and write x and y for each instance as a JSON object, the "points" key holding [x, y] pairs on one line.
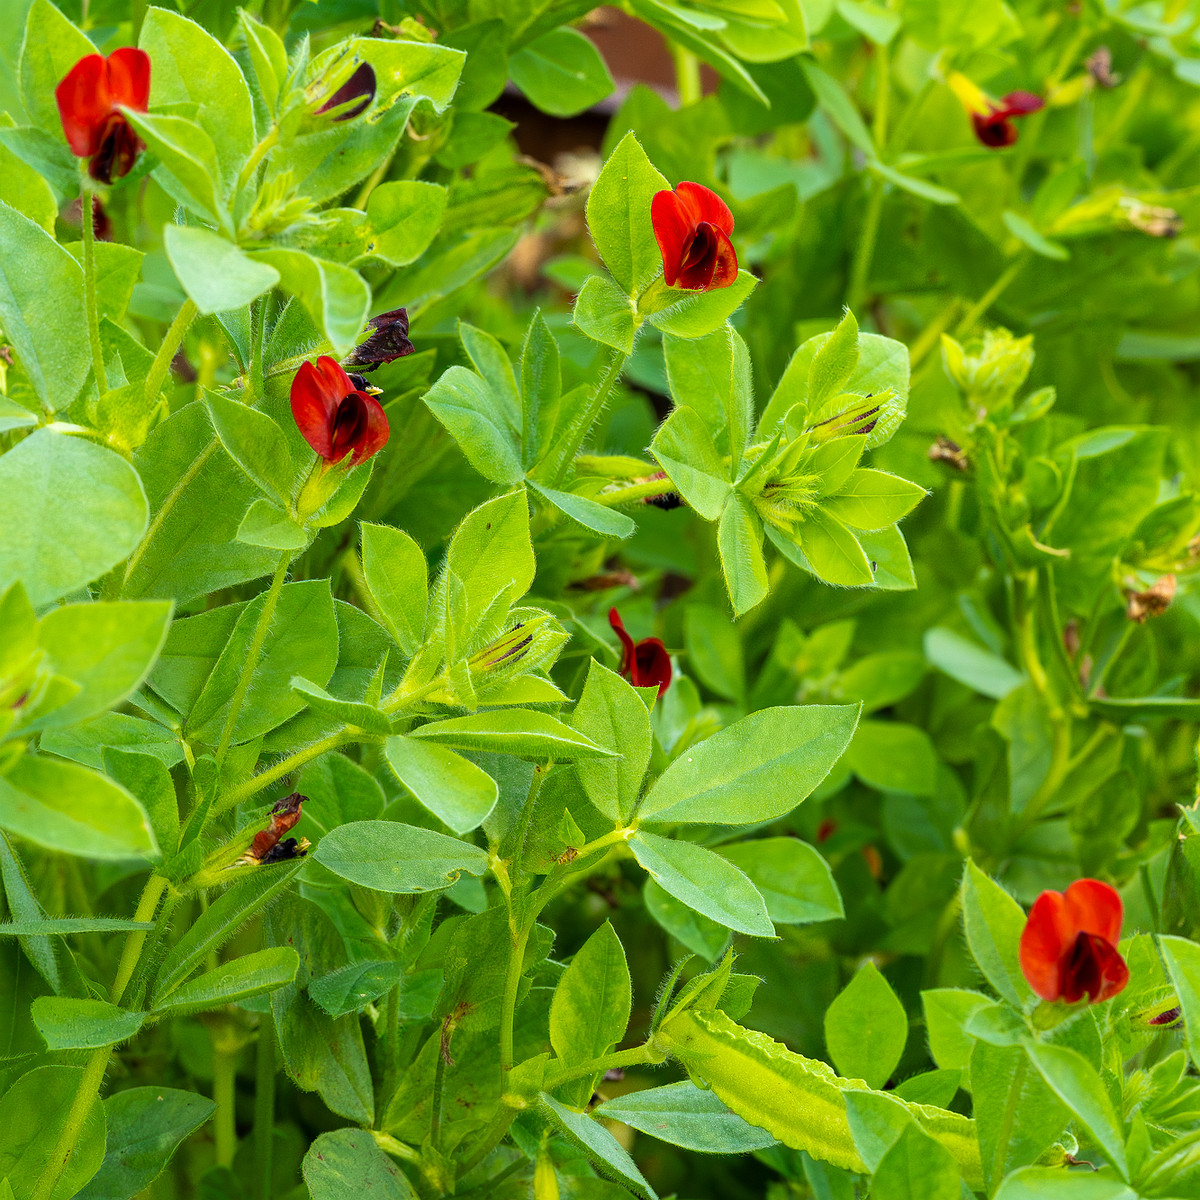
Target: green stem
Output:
{"points": [[264, 1104], [931, 335], [977, 310], [88, 228], [635, 1056], [883, 92], [860, 269], [166, 352], [255, 649], [635, 491], [562, 454], [439, 1088], [687, 76], [97, 1063], [223, 1094], [168, 504], [271, 775]]}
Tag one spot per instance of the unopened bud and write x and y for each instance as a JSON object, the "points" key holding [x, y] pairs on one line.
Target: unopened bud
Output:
{"points": [[990, 371]]}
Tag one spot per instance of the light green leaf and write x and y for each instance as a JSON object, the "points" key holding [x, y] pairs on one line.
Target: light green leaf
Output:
{"points": [[612, 714], [396, 573], [792, 876], [754, 771], [994, 921], [453, 788], [683, 1114], [335, 295], [520, 731], [603, 312], [561, 72], [866, 1028], [213, 272], [66, 1023], [232, 982], [596, 1142], [389, 857]]}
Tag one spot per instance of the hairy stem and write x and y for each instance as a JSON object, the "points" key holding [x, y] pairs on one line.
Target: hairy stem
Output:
{"points": [[166, 352], [264, 1104], [979, 309], [255, 649], [88, 229], [223, 1094]]}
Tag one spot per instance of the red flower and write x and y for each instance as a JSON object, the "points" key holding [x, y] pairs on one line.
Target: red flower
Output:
{"points": [[90, 99], [692, 226], [336, 418], [1069, 944], [643, 663], [995, 128]]}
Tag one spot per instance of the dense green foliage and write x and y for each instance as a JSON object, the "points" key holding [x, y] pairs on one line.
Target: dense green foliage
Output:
{"points": [[909, 496]]}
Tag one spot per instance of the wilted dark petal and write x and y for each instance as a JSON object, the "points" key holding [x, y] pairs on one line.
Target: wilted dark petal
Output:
{"points": [[386, 344], [360, 86]]}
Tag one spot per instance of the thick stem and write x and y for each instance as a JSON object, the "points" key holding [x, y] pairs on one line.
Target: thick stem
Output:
{"points": [[151, 894], [166, 352], [255, 649], [224, 1090], [264, 1104], [635, 1056], [88, 228]]}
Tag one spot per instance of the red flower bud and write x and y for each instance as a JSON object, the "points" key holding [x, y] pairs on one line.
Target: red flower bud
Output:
{"points": [[692, 226], [90, 99], [645, 663], [334, 417], [1069, 944]]}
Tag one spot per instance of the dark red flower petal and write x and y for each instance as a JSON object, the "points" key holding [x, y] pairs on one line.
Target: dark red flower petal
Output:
{"points": [[118, 150], [1093, 968], [360, 86], [89, 101], [674, 228], [651, 665], [375, 432], [1019, 104], [618, 627], [994, 131], [692, 225]]}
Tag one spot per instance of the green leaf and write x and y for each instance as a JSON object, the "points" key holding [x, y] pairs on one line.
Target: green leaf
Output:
{"points": [[33, 1116], [833, 552], [833, 363], [269, 526], [335, 295], [1182, 958], [683, 1114], [873, 499], [22, 187], [604, 313], [219, 922], [591, 1004], [1079, 1086], [1024, 232], [893, 757], [69, 808], [51, 47], [366, 716], [389, 857], [541, 389], [685, 450], [970, 663], [397, 576], [350, 988], [739, 540], [41, 309], [465, 405], [74, 510], [147, 778], [596, 1142], [792, 877], [912, 183], [188, 162], [519, 731], [697, 314], [917, 1167], [697, 933], [704, 881], [618, 215], [53, 926], [1053, 1183], [754, 771], [947, 1011], [612, 715], [192, 67], [866, 1028], [994, 922], [453, 788], [268, 57], [599, 519], [213, 272], [841, 110], [69, 1024], [561, 72], [232, 982], [347, 1165], [403, 218], [106, 648], [145, 1127], [302, 640]]}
